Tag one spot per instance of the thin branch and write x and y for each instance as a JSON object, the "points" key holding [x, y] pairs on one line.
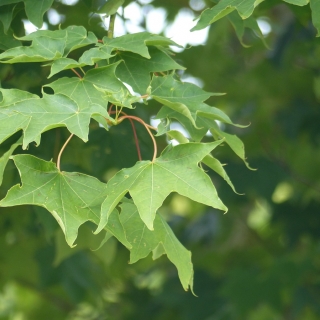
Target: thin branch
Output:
{"points": [[111, 25], [147, 127], [62, 149], [76, 72]]}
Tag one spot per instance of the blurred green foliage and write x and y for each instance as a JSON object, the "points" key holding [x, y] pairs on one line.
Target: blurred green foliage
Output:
{"points": [[259, 261]]}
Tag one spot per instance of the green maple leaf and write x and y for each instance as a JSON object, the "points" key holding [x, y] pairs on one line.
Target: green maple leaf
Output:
{"points": [[34, 115], [84, 91], [135, 70], [72, 198], [185, 98], [137, 43], [149, 183], [144, 241], [49, 45], [223, 8]]}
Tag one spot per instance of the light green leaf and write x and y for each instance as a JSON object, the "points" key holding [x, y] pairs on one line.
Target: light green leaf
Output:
{"points": [[72, 198], [298, 2], [233, 141], [49, 45], [41, 49], [20, 110], [64, 64], [186, 99], [144, 241], [36, 9], [223, 8], [5, 157], [315, 7], [149, 183], [122, 98], [84, 91], [135, 70], [137, 43], [111, 7], [93, 55]]}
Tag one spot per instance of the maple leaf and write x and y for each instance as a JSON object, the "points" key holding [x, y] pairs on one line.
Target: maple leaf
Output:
{"points": [[72, 198], [84, 91], [137, 43], [149, 183], [34, 115], [135, 70], [183, 97], [144, 241]]}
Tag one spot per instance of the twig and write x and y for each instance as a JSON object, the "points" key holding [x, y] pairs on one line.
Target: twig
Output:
{"points": [[111, 25], [60, 153], [147, 127], [76, 73]]}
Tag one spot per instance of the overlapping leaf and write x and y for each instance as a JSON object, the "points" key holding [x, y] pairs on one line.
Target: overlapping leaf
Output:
{"points": [[135, 70], [137, 43], [245, 9], [144, 241], [184, 98], [149, 183], [34, 9], [20, 110], [72, 198], [5, 157], [49, 45], [86, 91]]}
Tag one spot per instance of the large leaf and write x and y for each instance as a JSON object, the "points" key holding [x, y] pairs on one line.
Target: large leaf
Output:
{"points": [[84, 91], [144, 241], [7, 41], [224, 7], [137, 43], [149, 183], [72, 198], [135, 70], [36, 9], [20, 110]]}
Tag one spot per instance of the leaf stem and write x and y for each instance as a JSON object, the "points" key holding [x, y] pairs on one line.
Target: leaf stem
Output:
{"points": [[147, 127], [76, 72], [111, 25], [62, 149]]}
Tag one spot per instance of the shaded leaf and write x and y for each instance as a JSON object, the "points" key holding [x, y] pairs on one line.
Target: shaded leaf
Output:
{"points": [[7, 41], [5, 157], [111, 7], [20, 110], [144, 241], [149, 183], [315, 7], [36, 9], [72, 198], [6, 14], [135, 70]]}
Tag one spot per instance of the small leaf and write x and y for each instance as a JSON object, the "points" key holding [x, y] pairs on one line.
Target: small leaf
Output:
{"points": [[137, 43], [149, 183], [5, 157], [7, 41], [298, 2], [144, 241], [223, 8], [72, 198], [6, 14], [233, 141], [111, 7]]}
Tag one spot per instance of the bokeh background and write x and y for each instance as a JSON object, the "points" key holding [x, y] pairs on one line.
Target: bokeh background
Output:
{"points": [[261, 260]]}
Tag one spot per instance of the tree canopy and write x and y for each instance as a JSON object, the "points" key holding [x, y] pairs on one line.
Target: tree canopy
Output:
{"points": [[119, 144]]}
